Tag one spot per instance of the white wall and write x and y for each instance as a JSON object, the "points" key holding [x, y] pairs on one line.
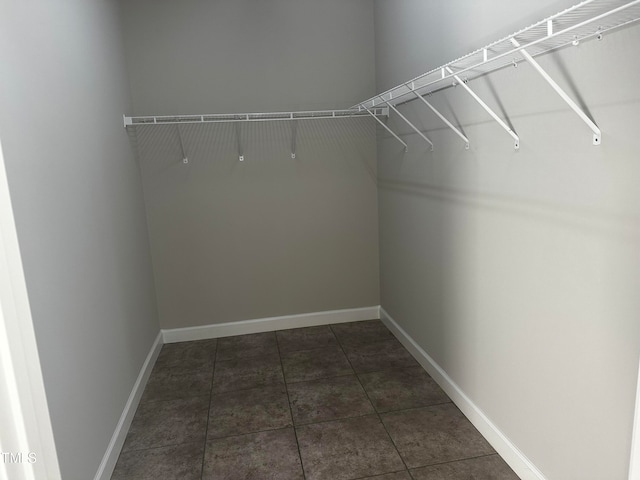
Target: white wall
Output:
{"points": [[271, 235], [76, 194], [518, 272]]}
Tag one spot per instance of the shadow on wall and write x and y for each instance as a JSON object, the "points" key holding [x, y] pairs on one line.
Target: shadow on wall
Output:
{"points": [[590, 221], [573, 91], [498, 101]]}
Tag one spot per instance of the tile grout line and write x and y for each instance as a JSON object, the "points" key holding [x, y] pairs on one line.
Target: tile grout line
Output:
{"points": [[286, 389], [372, 406], [314, 379], [206, 430], [408, 409], [321, 422], [382, 475], [350, 417], [457, 460], [137, 450], [374, 412], [253, 432]]}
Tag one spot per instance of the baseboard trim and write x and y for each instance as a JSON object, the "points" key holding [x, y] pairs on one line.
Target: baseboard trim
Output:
{"points": [[259, 325], [105, 470], [520, 464]]}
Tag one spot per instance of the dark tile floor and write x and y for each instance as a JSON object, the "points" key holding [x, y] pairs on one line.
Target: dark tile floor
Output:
{"points": [[336, 402]]}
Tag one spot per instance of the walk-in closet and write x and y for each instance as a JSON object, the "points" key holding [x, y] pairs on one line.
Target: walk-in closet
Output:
{"points": [[319, 240]]}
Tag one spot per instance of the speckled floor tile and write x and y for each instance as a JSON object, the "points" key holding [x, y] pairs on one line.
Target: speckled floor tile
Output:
{"points": [[250, 413], [245, 346], [347, 449], [390, 476], [171, 384], [271, 455], [389, 354], [306, 338], [435, 434], [159, 424], [328, 399], [177, 462], [403, 388], [195, 355], [245, 373], [491, 467], [361, 333], [314, 364], [246, 411]]}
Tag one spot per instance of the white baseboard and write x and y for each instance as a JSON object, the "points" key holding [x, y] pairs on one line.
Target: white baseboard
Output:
{"points": [[110, 458], [269, 324], [520, 464]]}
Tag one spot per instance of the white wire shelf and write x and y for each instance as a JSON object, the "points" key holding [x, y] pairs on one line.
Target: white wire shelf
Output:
{"points": [[251, 117], [582, 21], [588, 19]]}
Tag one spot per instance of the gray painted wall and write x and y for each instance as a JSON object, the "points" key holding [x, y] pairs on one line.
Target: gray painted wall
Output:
{"points": [[76, 193], [271, 235], [518, 272], [218, 56]]}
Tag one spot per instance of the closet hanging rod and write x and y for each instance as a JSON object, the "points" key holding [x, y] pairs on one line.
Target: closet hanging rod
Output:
{"points": [[582, 21], [249, 117]]}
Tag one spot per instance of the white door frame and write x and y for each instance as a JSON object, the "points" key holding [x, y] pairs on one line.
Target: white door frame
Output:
{"points": [[634, 463], [27, 447]]}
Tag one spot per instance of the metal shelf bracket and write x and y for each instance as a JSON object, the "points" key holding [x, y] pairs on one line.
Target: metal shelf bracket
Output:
{"points": [[294, 134], [185, 159], [501, 122], [385, 127], [443, 118], [597, 133], [415, 129], [239, 142]]}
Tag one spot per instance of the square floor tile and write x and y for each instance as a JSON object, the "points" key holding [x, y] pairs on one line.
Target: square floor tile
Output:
{"points": [[328, 399], [169, 422], [346, 449], [177, 462], [306, 338], [245, 346], [171, 383], [361, 333], [245, 373], [491, 467], [271, 455], [436, 434], [313, 364], [199, 354], [401, 389], [246, 411], [379, 356]]}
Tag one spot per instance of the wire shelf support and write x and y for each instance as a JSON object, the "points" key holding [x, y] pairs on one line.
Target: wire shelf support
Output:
{"points": [[597, 134]]}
